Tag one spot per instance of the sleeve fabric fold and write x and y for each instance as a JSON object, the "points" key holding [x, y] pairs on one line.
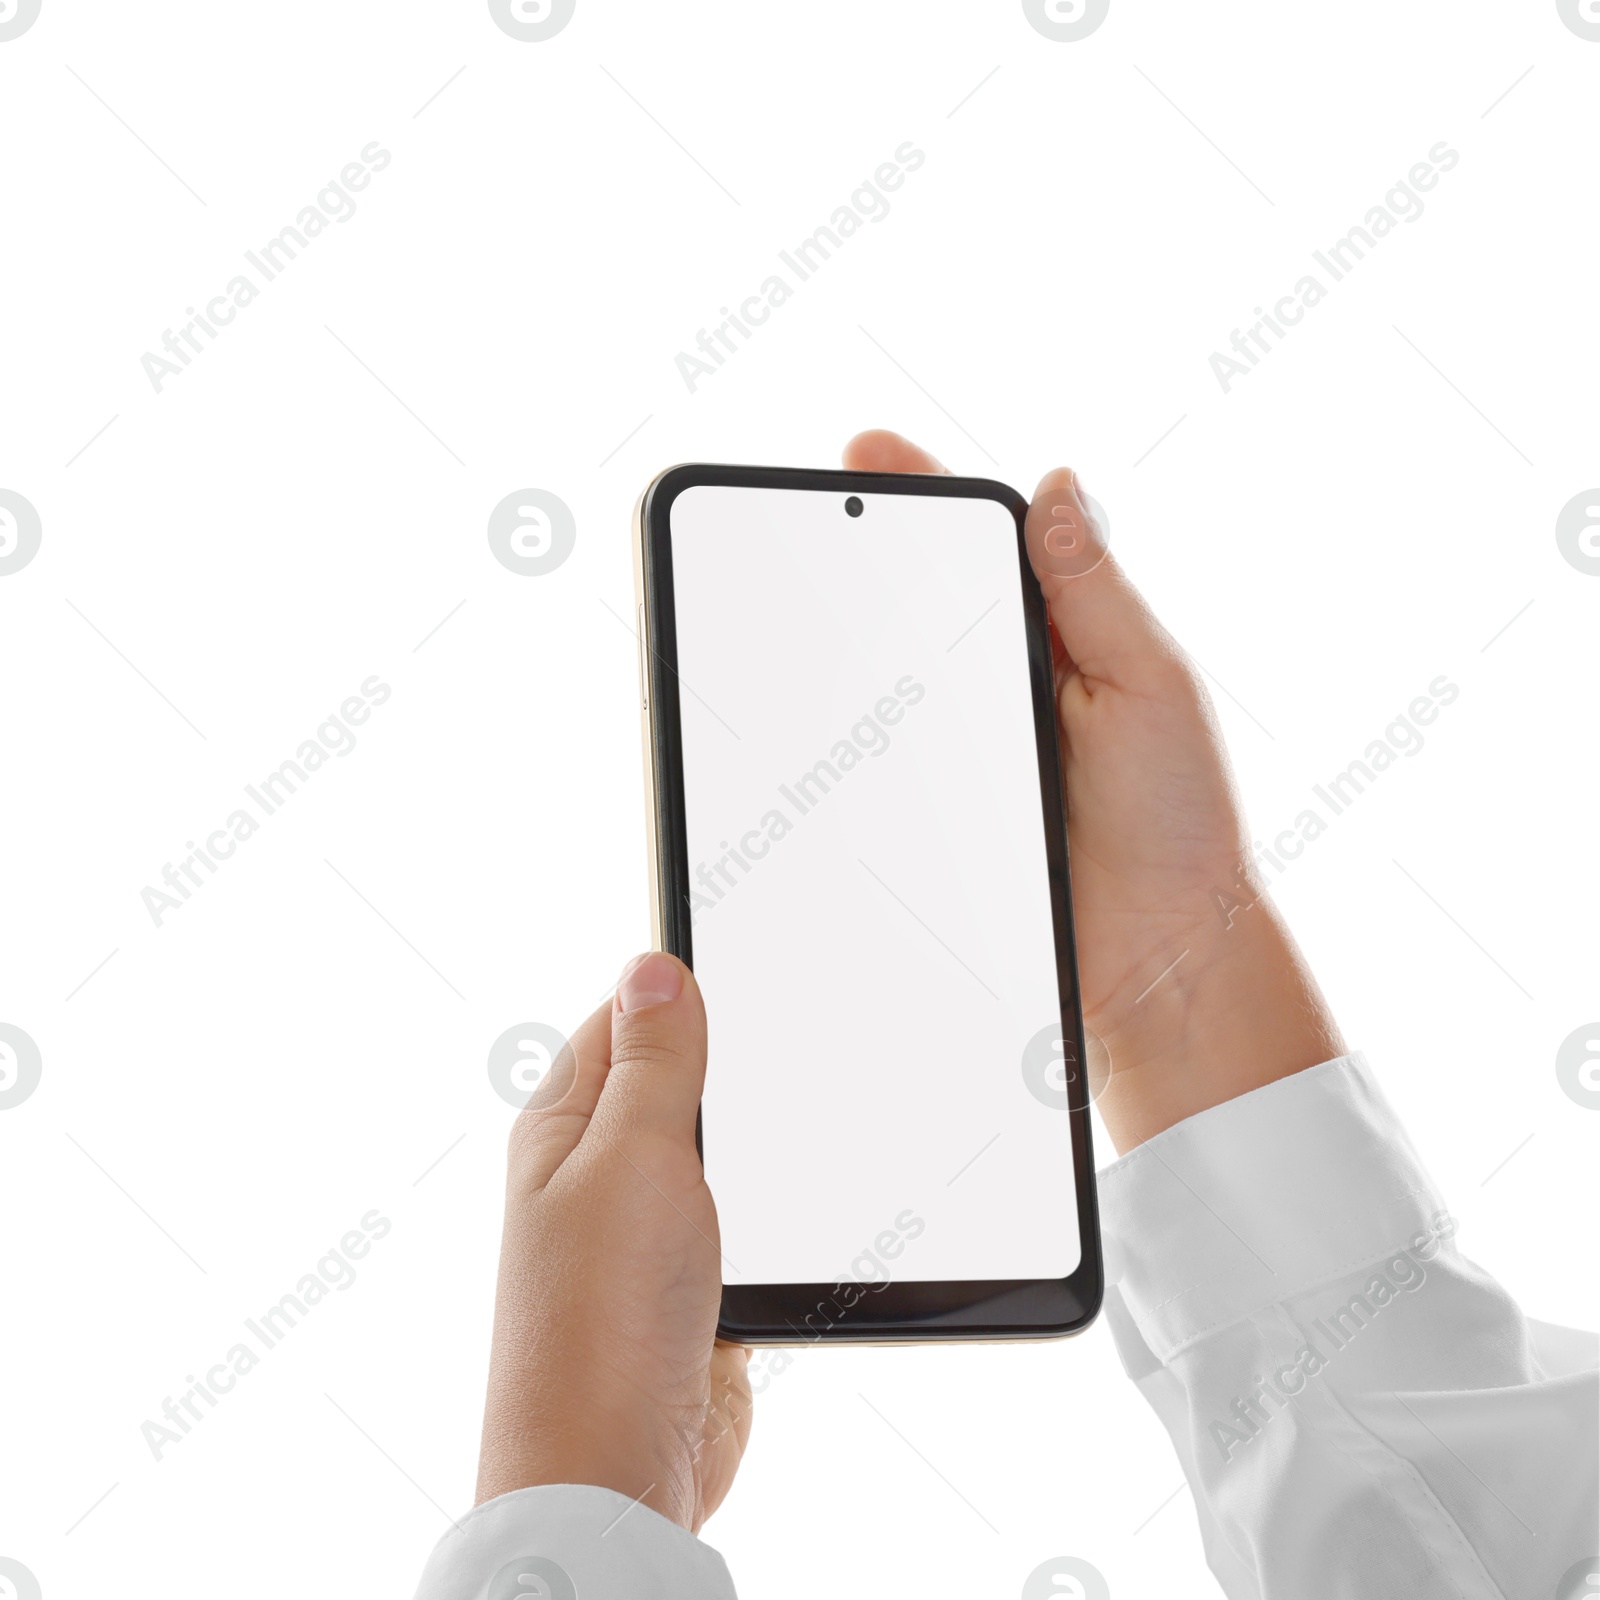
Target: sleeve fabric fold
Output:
{"points": [[1359, 1409], [565, 1541]]}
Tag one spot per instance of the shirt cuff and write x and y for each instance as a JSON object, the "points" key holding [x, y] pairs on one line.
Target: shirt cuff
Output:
{"points": [[566, 1540], [1261, 1198]]}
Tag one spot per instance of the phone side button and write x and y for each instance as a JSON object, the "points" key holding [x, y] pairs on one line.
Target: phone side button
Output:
{"points": [[644, 680]]}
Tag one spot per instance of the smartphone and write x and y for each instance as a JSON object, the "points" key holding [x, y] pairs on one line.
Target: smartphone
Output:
{"points": [[858, 842]]}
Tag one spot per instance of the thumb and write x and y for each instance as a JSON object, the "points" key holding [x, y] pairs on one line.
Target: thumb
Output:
{"points": [[658, 1049], [1109, 631]]}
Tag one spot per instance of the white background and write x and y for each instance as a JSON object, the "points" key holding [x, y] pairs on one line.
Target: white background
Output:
{"points": [[255, 1075]]}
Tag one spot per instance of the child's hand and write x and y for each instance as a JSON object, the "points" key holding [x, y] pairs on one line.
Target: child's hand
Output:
{"points": [[1191, 1011], [604, 1369]]}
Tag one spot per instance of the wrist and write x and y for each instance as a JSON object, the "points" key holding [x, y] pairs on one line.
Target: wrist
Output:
{"points": [[601, 1448], [1235, 1009], [655, 1488]]}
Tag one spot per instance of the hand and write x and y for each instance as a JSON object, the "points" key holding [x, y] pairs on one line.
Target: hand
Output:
{"points": [[604, 1368], [1192, 1005]]}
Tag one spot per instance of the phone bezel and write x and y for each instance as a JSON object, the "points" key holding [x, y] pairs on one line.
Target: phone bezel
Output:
{"points": [[901, 1312]]}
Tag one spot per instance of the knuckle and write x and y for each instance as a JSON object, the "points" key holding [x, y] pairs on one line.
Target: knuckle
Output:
{"points": [[529, 1142], [667, 1161], [655, 1051]]}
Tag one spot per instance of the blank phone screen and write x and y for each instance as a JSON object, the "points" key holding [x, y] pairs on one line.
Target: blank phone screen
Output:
{"points": [[869, 893]]}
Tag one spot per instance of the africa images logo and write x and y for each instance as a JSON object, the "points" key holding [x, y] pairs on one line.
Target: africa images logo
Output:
{"points": [[1066, 21], [532, 21], [20, 532], [21, 1066], [16, 17]]}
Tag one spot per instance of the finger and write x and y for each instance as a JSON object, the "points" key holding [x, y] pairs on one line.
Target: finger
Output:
{"points": [[878, 450], [549, 1126], [731, 1406], [727, 1426], [658, 1051], [1109, 632]]}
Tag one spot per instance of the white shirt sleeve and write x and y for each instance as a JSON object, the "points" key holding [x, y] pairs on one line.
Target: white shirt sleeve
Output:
{"points": [[1359, 1409], [561, 1541]]}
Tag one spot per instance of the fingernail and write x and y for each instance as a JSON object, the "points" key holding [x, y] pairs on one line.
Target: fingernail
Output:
{"points": [[1086, 501], [649, 980], [1063, 539], [1068, 535]]}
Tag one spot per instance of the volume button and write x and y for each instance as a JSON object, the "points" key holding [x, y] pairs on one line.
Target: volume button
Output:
{"points": [[644, 680]]}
